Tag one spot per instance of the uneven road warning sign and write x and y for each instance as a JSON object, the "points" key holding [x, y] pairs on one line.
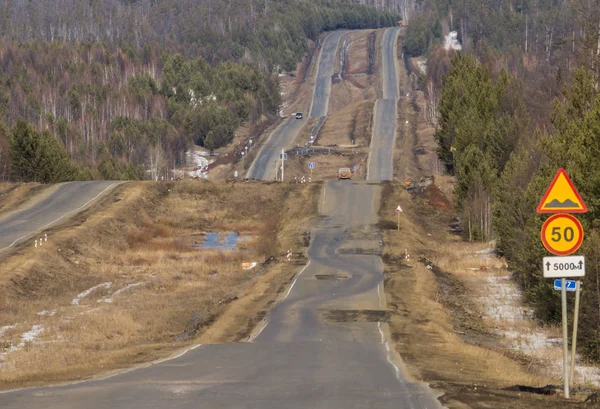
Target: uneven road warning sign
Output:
{"points": [[561, 196], [562, 234]]}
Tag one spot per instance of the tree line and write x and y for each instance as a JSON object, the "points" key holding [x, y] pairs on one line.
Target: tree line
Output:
{"points": [[519, 102]]}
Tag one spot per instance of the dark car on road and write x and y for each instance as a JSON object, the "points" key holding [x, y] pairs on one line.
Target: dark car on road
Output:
{"points": [[298, 115]]}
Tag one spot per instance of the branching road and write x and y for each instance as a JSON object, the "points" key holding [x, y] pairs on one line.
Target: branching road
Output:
{"points": [[284, 135], [380, 165], [325, 344], [63, 201]]}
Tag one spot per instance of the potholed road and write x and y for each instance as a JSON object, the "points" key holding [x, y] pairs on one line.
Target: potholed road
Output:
{"points": [[309, 353], [325, 344]]}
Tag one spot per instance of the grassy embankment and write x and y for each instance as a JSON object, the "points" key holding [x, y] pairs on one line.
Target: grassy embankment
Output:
{"points": [[163, 294]]}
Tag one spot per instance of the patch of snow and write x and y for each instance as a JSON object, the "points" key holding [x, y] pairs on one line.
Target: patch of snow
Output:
{"points": [[485, 251], [249, 266], [200, 162], [120, 291], [501, 303], [47, 313], [31, 335], [6, 328], [422, 66], [451, 41], [87, 292]]}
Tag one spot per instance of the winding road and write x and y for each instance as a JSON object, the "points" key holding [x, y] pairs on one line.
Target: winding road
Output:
{"points": [[324, 345]]}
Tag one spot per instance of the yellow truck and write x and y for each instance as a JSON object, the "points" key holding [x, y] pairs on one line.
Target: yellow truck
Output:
{"points": [[344, 173]]}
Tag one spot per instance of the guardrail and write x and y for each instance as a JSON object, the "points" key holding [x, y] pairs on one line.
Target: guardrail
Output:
{"points": [[314, 132]]}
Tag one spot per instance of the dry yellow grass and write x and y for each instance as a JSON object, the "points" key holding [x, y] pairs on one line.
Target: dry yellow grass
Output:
{"points": [[422, 325], [358, 86], [13, 195], [164, 293], [354, 121]]}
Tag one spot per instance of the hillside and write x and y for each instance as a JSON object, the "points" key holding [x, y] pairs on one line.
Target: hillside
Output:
{"points": [[519, 102], [127, 87]]}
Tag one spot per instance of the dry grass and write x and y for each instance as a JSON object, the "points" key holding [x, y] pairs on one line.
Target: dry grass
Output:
{"points": [[138, 239], [357, 86], [13, 195], [423, 327], [354, 121]]}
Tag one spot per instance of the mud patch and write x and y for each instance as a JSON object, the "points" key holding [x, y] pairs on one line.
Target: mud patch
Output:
{"points": [[376, 252], [332, 277], [356, 315]]}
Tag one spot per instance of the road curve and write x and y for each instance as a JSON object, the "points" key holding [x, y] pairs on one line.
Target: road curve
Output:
{"points": [[299, 358], [263, 166], [380, 164], [64, 201]]}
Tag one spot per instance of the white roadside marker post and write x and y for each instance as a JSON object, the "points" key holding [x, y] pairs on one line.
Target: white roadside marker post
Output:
{"points": [[282, 162]]}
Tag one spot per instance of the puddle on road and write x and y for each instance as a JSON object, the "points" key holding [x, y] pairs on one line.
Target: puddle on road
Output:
{"points": [[221, 241]]}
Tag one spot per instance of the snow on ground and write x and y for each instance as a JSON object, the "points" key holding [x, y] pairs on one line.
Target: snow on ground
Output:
{"points": [[120, 291], [87, 292], [6, 328], [46, 313], [501, 303], [199, 159], [451, 41]]}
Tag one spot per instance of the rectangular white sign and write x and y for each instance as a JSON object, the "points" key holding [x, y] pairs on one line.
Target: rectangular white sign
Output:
{"points": [[558, 267]]}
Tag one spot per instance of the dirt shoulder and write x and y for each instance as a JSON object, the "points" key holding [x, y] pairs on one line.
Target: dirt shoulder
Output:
{"points": [[128, 281], [436, 321]]}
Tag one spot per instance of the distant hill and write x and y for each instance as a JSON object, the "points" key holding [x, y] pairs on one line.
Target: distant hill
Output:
{"points": [[122, 83]]}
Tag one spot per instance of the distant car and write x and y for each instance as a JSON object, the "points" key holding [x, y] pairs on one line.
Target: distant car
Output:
{"points": [[298, 115], [344, 173]]}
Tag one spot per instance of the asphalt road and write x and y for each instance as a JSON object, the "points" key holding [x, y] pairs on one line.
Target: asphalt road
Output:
{"points": [[380, 165], [62, 201], [320, 102], [283, 136], [298, 357], [324, 345]]}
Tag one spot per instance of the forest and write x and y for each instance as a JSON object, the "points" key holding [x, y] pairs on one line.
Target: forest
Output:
{"points": [[127, 86], [520, 101]]}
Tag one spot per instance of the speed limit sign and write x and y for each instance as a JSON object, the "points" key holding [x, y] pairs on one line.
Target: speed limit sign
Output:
{"points": [[562, 234]]}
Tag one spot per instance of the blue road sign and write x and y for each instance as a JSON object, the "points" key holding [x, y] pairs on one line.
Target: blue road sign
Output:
{"points": [[571, 285], [355, 168], [311, 165]]}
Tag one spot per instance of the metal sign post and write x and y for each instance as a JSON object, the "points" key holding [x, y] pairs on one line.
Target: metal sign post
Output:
{"points": [[562, 235], [563, 297], [575, 322], [398, 211]]}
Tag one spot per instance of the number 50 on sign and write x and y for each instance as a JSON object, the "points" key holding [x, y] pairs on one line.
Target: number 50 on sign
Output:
{"points": [[562, 234]]}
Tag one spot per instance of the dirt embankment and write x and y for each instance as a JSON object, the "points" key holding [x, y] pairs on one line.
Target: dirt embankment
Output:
{"points": [[128, 280], [437, 321]]}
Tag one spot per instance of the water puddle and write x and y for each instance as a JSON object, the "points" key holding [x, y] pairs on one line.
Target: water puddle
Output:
{"points": [[221, 241]]}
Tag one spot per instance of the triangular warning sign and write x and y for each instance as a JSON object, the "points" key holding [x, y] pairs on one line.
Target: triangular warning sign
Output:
{"points": [[561, 196]]}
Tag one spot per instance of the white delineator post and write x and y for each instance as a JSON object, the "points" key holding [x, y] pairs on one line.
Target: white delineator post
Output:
{"points": [[282, 162]]}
